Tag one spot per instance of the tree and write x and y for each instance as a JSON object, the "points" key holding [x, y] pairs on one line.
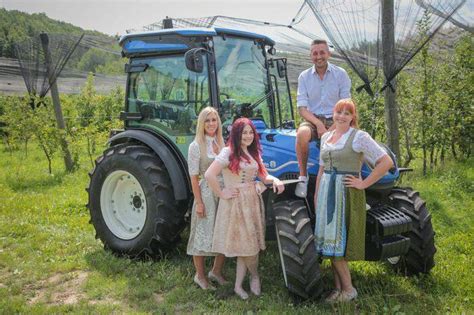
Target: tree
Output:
{"points": [[18, 120], [48, 135]]}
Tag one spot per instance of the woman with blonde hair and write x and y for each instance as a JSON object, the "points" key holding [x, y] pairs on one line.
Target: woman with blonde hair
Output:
{"points": [[207, 144], [340, 198]]}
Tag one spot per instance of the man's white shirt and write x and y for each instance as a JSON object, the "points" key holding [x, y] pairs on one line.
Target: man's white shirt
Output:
{"points": [[320, 96]]}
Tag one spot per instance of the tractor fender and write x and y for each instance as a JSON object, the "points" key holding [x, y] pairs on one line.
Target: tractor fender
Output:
{"points": [[172, 163]]}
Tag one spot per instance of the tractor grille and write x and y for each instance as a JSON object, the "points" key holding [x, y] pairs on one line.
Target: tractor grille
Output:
{"points": [[385, 220], [289, 176], [384, 227]]}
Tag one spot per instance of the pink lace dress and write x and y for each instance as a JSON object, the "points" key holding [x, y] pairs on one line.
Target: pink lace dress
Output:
{"points": [[239, 229]]}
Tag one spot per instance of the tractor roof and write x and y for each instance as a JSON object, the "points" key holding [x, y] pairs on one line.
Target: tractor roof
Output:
{"points": [[143, 42]]}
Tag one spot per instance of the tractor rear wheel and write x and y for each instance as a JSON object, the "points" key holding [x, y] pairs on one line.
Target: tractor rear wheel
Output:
{"points": [[131, 202], [298, 257], [420, 256]]}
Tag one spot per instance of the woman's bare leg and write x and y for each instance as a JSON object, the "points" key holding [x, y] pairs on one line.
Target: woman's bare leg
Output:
{"points": [[240, 272], [201, 275], [216, 272], [337, 279], [342, 269], [252, 265]]}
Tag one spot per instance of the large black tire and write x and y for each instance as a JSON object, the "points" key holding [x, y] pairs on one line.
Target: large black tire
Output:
{"points": [[420, 256], [132, 204], [298, 257]]}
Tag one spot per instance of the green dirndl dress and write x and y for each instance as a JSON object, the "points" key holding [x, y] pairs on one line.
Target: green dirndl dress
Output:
{"points": [[340, 211]]}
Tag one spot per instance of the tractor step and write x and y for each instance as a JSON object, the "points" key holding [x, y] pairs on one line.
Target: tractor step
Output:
{"points": [[389, 247]]}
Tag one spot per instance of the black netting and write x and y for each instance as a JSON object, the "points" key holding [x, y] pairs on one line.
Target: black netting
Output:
{"points": [[293, 35], [107, 44], [463, 17], [354, 28], [32, 60]]}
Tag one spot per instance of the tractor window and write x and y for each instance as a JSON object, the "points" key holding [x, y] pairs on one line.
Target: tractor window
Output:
{"points": [[168, 95], [242, 79]]}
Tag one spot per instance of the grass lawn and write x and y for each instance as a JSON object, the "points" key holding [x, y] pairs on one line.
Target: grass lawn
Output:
{"points": [[50, 261]]}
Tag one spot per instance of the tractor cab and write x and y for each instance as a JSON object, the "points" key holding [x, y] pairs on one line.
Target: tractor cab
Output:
{"points": [[174, 73]]}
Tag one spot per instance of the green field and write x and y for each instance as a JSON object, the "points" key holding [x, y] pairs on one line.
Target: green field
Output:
{"points": [[50, 261]]}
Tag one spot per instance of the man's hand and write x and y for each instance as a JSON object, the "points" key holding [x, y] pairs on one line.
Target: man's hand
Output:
{"points": [[308, 116], [320, 128]]}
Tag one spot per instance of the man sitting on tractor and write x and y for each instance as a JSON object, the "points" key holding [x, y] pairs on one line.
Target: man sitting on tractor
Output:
{"points": [[319, 89]]}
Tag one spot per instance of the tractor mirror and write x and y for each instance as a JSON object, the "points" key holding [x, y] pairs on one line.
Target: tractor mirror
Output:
{"points": [[194, 60], [281, 68]]}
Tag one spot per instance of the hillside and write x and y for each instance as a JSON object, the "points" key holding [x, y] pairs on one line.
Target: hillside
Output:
{"points": [[93, 54], [16, 26]]}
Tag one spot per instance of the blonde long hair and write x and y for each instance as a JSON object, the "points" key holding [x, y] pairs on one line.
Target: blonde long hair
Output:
{"points": [[201, 133]]}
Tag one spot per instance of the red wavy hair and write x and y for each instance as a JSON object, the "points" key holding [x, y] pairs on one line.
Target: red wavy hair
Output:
{"points": [[349, 105], [236, 152]]}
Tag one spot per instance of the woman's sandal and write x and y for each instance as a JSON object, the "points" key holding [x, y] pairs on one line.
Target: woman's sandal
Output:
{"points": [[203, 285], [219, 279], [347, 296], [241, 293], [255, 286]]}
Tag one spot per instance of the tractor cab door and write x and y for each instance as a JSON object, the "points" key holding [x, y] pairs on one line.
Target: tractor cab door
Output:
{"points": [[167, 96]]}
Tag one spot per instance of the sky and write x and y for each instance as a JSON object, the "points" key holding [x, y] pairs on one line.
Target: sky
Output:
{"points": [[116, 16]]}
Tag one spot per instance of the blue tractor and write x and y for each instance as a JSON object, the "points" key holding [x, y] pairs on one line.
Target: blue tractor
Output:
{"points": [[140, 189]]}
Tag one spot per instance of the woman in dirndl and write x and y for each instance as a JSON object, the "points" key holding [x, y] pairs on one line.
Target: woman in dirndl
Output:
{"points": [[240, 223], [340, 197], [202, 152]]}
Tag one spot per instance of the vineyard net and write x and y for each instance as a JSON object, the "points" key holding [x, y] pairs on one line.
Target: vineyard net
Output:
{"points": [[353, 28], [34, 61]]}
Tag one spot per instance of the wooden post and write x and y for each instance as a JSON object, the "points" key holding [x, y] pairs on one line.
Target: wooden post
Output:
{"points": [[388, 57], [56, 103]]}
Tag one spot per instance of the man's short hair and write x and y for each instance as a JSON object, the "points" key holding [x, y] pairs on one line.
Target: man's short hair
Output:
{"points": [[319, 41]]}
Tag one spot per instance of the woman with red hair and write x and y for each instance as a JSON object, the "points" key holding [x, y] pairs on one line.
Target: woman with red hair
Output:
{"points": [[239, 230], [339, 197]]}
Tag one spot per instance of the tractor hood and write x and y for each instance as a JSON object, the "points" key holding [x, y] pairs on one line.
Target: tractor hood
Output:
{"points": [[279, 156]]}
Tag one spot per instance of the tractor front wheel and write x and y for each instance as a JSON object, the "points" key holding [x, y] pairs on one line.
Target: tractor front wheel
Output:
{"points": [[420, 256], [298, 257], [131, 202]]}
